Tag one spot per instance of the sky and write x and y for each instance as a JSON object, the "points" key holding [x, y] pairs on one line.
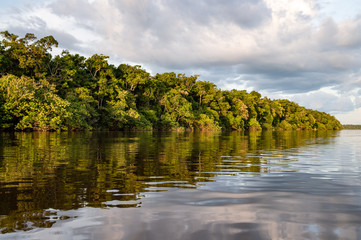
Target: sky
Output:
{"points": [[308, 51]]}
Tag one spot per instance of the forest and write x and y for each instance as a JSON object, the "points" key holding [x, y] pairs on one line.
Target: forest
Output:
{"points": [[69, 92], [351, 126]]}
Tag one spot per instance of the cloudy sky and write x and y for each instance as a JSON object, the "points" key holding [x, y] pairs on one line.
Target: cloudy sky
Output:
{"points": [[308, 51]]}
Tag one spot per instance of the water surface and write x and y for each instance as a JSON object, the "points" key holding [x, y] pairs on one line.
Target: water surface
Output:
{"points": [[114, 185]]}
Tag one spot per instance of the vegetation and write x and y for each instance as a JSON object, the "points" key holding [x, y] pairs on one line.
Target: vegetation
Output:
{"points": [[71, 92], [351, 126]]}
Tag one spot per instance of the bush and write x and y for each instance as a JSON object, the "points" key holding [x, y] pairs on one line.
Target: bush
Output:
{"points": [[254, 125], [284, 125]]}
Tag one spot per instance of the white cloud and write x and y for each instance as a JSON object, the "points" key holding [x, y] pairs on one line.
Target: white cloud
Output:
{"points": [[351, 117]]}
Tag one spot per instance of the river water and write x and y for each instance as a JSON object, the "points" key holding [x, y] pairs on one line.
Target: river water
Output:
{"points": [[208, 185]]}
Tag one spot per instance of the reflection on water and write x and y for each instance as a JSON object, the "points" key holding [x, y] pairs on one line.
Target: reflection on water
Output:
{"points": [[152, 185]]}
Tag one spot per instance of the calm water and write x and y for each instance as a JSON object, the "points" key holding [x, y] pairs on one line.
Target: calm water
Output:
{"points": [[270, 185]]}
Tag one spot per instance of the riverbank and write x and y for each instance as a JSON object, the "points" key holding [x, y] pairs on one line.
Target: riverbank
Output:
{"points": [[351, 126]]}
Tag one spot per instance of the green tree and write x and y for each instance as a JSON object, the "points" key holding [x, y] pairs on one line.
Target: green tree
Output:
{"points": [[132, 76], [82, 109], [31, 105], [238, 112], [26, 56], [254, 125], [177, 111], [68, 72], [123, 113]]}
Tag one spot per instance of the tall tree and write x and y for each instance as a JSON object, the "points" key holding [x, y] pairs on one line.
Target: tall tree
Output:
{"points": [[27, 56]]}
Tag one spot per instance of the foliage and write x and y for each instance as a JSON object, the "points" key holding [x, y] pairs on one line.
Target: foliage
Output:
{"points": [[27, 104], [351, 126], [26, 56], [254, 125], [69, 91]]}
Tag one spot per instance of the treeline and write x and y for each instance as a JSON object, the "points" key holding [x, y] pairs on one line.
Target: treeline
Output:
{"points": [[72, 92], [351, 126]]}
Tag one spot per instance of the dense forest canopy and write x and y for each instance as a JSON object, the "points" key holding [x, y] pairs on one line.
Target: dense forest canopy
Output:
{"points": [[72, 92]]}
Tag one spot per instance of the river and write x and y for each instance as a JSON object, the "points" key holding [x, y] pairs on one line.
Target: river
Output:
{"points": [[166, 185]]}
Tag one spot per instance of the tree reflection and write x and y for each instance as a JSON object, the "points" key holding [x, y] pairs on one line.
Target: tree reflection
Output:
{"points": [[40, 171]]}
